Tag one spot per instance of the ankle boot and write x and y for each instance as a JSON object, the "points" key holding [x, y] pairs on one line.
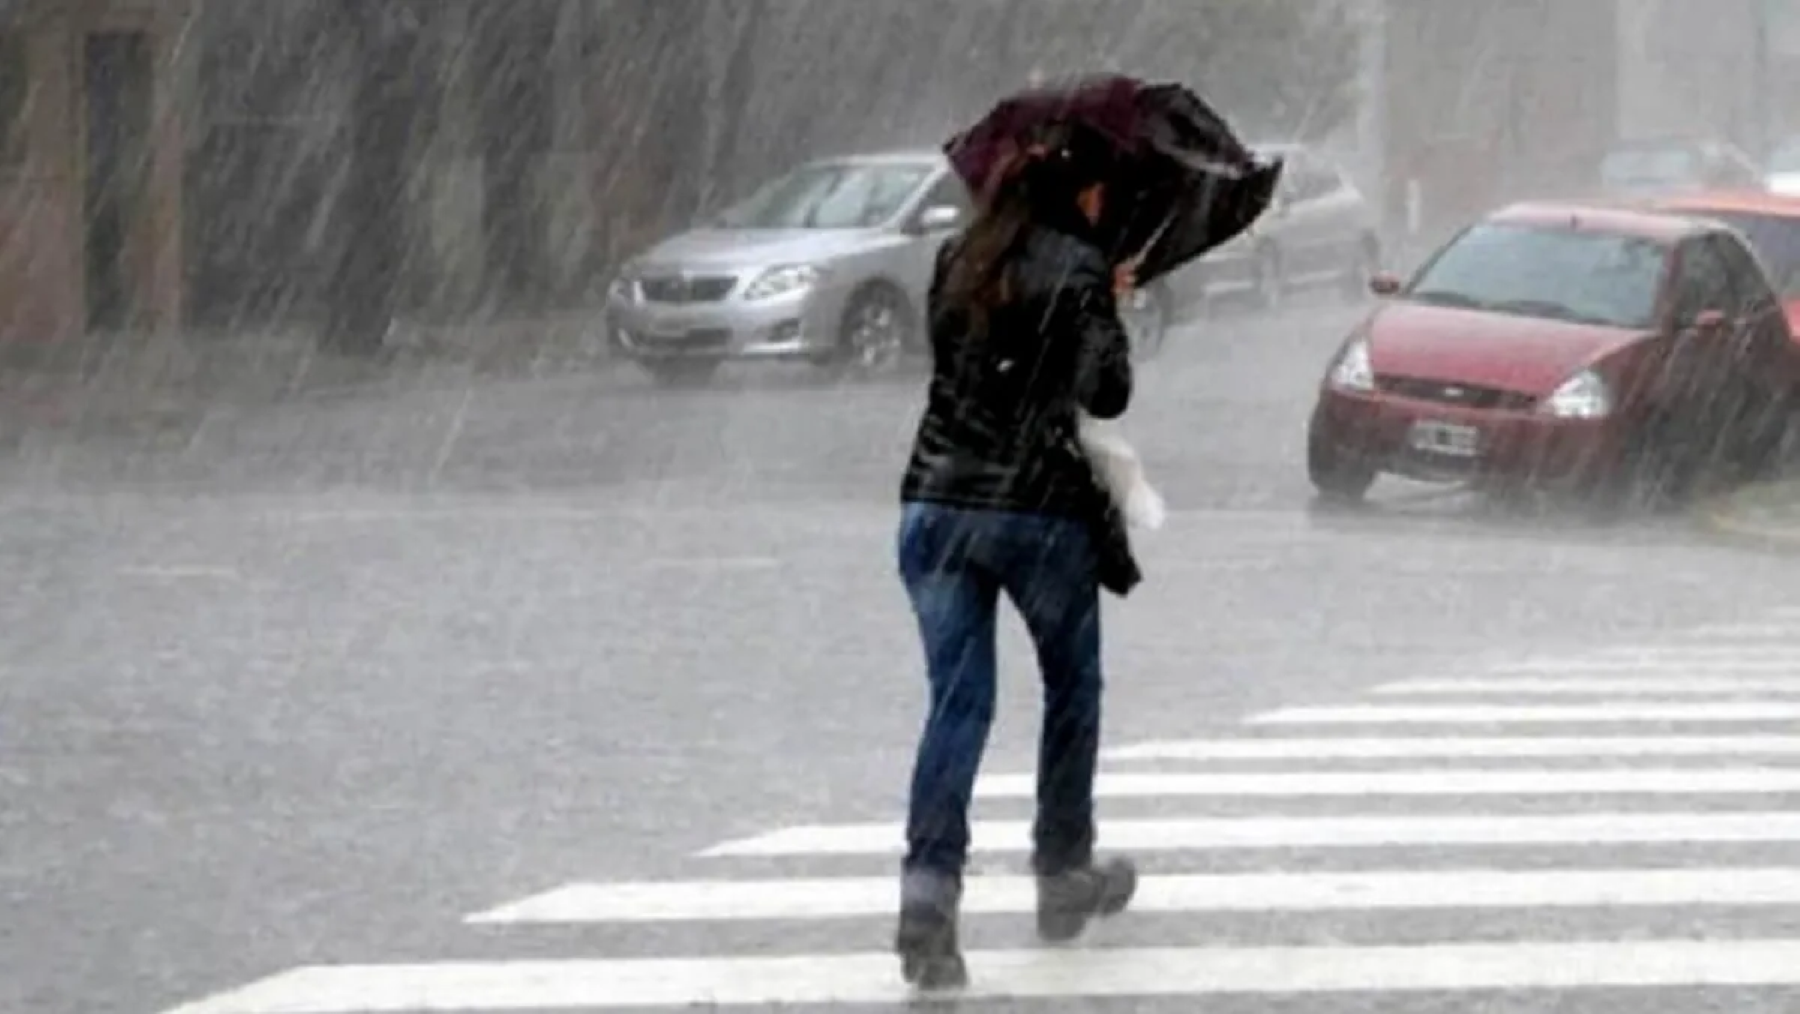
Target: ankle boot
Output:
{"points": [[930, 957], [1067, 901]]}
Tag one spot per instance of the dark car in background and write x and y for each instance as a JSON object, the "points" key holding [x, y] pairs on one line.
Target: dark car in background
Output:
{"points": [[1320, 232], [1649, 167], [1782, 173]]}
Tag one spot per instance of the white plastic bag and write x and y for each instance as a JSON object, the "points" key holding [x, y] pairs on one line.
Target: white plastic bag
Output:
{"points": [[1121, 472]]}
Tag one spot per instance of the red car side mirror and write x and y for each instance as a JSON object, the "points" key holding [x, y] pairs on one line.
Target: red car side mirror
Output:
{"points": [[1709, 322], [1384, 283]]}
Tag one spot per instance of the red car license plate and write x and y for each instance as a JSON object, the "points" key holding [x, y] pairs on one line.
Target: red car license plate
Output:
{"points": [[1444, 438]]}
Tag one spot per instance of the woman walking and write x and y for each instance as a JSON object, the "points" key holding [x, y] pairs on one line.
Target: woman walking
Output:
{"points": [[998, 498]]}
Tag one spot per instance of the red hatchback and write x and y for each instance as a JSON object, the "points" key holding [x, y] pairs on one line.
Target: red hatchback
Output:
{"points": [[1577, 347]]}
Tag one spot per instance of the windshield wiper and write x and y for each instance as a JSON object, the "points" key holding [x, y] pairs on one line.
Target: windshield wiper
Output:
{"points": [[1444, 297], [1548, 308]]}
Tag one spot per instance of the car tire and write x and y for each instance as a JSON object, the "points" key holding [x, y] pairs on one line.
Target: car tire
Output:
{"points": [[1270, 285], [876, 333], [1337, 472], [1768, 440], [682, 372], [1146, 317], [1653, 473]]}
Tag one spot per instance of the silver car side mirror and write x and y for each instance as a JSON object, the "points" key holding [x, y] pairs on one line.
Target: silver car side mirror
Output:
{"points": [[940, 218]]}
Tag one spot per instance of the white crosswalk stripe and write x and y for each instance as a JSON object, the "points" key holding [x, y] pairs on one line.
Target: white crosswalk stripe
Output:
{"points": [[1680, 665], [854, 897], [1598, 713], [1368, 748], [1356, 832], [1615, 785], [1550, 686], [1424, 782], [588, 984]]}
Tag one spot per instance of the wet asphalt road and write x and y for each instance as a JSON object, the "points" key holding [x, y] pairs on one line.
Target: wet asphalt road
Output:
{"points": [[310, 685]]}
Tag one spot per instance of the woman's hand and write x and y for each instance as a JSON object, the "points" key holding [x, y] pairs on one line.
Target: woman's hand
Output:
{"points": [[1125, 278]]}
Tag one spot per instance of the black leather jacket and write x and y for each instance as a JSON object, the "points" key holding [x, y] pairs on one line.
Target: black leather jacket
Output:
{"points": [[999, 428]]}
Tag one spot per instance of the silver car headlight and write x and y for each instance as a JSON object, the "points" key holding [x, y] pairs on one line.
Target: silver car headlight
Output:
{"points": [[624, 285], [784, 280], [1354, 371], [1583, 396]]}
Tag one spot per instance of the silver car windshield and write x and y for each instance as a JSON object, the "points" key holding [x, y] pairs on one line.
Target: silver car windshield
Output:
{"points": [[1554, 273], [828, 196]]}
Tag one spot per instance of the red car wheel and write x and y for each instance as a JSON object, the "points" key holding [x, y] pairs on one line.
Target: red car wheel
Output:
{"points": [[1337, 471]]}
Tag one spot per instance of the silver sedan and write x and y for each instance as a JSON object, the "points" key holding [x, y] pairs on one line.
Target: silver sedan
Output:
{"points": [[828, 264]]}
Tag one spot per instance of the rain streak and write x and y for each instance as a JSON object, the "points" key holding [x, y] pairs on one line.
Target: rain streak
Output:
{"points": [[1058, 506]]}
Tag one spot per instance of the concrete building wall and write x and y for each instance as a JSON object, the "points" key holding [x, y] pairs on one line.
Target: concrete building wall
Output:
{"points": [[1485, 102], [457, 158], [267, 135], [1690, 69], [44, 192], [39, 253], [1368, 164], [1781, 71]]}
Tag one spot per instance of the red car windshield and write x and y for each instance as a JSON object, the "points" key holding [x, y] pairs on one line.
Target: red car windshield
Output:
{"points": [[1776, 241], [1547, 272]]}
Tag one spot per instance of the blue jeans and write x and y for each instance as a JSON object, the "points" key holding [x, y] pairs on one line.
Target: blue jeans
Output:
{"points": [[955, 563]]}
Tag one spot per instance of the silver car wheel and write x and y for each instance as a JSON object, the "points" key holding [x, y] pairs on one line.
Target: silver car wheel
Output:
{"points": [[1271, 283], [875, 334]]}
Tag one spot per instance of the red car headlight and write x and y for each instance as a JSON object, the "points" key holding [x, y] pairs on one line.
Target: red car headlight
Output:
{"points": [[1586, 395], [1353, 371]]}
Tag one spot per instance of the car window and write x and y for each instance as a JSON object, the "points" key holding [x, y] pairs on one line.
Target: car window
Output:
{"points": [[1326, 181], [1703, 282], [1775, 239], [829, 196], [1749, 290], [1549, 272], [1307, 180], [949, 191], [1731, 166], [1293, 176], [1786, 157]]}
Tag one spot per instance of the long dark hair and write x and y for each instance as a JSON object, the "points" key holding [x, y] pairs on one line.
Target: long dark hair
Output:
{"points": [[1040, 185]]}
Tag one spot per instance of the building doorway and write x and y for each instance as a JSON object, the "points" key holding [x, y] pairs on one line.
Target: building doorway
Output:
{"points": [[119, 76]]}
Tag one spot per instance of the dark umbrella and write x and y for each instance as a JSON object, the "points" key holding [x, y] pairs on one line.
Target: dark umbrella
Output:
{"points": [[1185, 184]]}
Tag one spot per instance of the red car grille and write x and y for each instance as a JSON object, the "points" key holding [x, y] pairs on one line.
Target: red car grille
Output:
{"points": [[1463, 395]]}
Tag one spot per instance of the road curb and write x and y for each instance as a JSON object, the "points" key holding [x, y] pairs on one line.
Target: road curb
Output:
{"points": [[1732, 516]]}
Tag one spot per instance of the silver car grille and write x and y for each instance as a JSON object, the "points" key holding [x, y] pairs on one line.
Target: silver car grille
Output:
{"points": [[686, 288]]}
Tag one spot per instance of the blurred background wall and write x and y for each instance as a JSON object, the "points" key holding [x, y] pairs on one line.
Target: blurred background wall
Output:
{"points": [[336, 164]]}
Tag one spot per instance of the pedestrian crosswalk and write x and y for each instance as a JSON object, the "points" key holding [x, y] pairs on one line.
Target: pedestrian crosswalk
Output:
{"points": [[1607, 799]]}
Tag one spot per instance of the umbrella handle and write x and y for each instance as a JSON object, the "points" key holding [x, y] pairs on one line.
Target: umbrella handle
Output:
{"points": [[1144, 251]]}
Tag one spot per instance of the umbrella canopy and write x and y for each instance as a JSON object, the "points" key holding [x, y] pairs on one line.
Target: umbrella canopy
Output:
{"points": [[1185, 183]]}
